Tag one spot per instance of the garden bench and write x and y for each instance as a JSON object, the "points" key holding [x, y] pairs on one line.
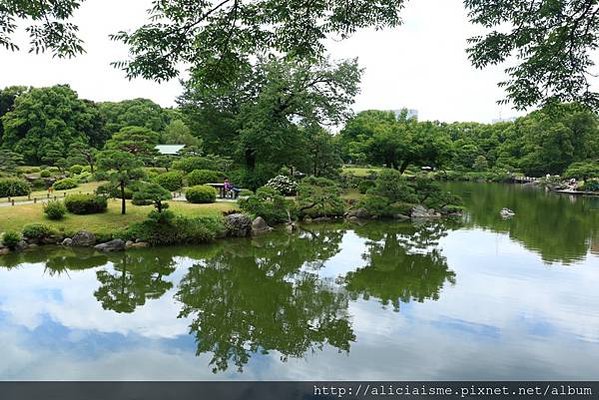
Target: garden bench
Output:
{"points": [[222, 193]]}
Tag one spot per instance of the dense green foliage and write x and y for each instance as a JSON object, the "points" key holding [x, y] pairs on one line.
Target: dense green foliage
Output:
{"points": [[65, 184], [268, 204], [38, 232], [189, 164], [544, 142], [319, 197], [122, 168], [200, 194], [172, 181], [55, 210], [165, 228], [283, 184], [202, 176], [11, 239], [11, 187], [44, 122], [85, 203], [154, 194]]}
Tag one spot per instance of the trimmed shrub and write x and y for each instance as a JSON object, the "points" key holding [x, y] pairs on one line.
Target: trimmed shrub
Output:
{"points": [[45, 174], [55, 210], [85, 204], [394, 187], [283, 184], [200, 194], [320, 197], [11, 239], [202, 176], [65, 184], [76, 169], [377, 206], [268, 204], [38, 231], [166, 228], [365, 185], [11, 187], [171, 181]]}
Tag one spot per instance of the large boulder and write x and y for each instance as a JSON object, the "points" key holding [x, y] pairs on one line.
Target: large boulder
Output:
{"points": [[113, 245], [359, 213], [136, 245], [259, 226], [421, 212], [238, 225], [83, 239], [506, 213], [4, 250]]}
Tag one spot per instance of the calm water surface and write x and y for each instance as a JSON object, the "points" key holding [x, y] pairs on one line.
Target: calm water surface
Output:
{"points": [[480, 298]]}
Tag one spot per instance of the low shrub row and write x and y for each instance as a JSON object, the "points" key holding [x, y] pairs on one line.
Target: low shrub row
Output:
{"points": [[11, 187], [166, 228], [85, 204]]}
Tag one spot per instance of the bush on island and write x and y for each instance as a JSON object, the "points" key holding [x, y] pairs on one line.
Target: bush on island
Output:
{"points": [[85, 204], [11, 187], [200, 194], [268, 204], [320, 197]]}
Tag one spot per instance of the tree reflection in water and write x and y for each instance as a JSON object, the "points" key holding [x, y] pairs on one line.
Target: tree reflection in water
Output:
{"points": [[404, 264], [257, 298], [137, 276]]}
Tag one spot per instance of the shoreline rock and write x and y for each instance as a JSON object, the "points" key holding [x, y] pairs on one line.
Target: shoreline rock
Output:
{"points": [[111, 246], [259, 227]]}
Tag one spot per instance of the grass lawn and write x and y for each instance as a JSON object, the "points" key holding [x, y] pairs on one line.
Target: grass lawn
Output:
{"points": [[43, 194], [14, 218], [360, 171]]}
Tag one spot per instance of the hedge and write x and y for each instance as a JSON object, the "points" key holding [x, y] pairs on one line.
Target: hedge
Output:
{"points": [[171, 181], [202, 176], [11, 187], [85, 204]]}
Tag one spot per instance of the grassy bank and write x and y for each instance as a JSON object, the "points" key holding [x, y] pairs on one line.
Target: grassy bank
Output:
{"points": [[43, 194], [14, 218]]}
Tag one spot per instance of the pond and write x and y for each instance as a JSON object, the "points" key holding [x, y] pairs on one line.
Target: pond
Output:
{"points": [[479, 298]]}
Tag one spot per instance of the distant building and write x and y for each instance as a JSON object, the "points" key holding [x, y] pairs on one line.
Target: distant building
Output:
{"points": [[412, 113], [169, 149], [497, 120]]}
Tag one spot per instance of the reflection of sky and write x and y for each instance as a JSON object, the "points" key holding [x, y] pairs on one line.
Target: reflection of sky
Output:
{"points": [[509, 315]]}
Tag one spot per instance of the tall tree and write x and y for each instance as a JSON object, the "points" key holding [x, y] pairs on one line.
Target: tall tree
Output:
{"points": [[264, 121], [48, 118], [143, 113]]}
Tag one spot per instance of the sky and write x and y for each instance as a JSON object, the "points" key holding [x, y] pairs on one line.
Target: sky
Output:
{"points": [[421, 65]]}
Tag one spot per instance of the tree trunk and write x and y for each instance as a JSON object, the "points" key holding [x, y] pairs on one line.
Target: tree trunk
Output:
{"points": [[250, 159], [404, 166], [123, 202]]}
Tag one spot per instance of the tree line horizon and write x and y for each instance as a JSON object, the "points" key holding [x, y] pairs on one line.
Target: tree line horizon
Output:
{"points": [[53, 126]]}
